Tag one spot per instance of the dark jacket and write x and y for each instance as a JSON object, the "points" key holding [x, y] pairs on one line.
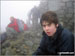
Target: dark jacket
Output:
{"points": [[62, 41]]}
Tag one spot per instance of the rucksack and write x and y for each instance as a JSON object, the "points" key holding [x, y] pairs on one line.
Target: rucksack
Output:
{"points": [[20, 25]]}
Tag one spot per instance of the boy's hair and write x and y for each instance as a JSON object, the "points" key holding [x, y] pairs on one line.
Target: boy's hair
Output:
{"points": [[50, 17]]}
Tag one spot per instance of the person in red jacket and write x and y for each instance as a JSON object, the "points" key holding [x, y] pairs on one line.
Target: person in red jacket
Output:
{"points": [[16, 25], [13, 24]]}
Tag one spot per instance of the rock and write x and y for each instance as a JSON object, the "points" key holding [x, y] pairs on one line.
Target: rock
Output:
{"points": [[29, 43]]}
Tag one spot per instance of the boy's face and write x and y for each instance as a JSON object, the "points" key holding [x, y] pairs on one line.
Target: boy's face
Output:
{"points": [[49, 29]]}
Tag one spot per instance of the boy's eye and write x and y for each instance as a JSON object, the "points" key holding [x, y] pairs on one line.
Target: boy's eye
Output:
{"points": [[49, 25]]}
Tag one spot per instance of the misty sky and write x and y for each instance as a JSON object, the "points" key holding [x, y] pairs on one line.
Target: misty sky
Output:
{"points": [[18, 9]]}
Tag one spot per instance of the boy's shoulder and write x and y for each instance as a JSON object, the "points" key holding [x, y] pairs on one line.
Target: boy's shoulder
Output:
{"points": [[66, 34]]}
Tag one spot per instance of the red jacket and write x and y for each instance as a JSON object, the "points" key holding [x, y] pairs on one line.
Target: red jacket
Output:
{"points": [[14, 25]]}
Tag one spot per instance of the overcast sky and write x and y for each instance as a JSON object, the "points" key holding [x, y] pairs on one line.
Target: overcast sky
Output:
{"points": [[18, 9]]}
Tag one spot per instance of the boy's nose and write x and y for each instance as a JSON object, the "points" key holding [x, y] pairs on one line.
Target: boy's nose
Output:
{"points": [[46, 28]]}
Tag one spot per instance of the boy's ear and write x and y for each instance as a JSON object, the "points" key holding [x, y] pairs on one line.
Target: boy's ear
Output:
{"points": [[56, 25]]}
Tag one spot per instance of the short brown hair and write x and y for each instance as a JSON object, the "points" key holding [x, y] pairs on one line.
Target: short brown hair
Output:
{"points": [[50, 17]]}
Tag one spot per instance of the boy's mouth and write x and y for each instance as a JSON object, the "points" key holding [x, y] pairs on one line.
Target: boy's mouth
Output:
{"points": [[48, 32]]}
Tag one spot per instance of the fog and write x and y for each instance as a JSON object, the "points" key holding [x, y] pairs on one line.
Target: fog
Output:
{"points": [[18, 9]]}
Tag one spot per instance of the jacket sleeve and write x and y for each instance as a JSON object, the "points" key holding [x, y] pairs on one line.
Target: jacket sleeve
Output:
{"points": [[11, 25], [42, 48], [67, 43]]}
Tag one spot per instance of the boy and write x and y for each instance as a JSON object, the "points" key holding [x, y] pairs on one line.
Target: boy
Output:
{"points": [[55, 39]]}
